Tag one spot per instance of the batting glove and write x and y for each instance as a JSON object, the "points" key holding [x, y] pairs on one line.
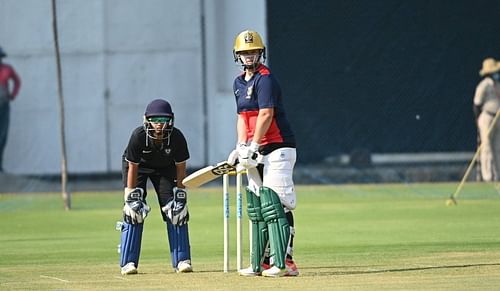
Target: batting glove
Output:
{"points": [[248, 155], [232, 159]]}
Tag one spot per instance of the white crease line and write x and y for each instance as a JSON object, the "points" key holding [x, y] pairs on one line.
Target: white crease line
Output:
{"points": [[121, 278], [54, 278]]}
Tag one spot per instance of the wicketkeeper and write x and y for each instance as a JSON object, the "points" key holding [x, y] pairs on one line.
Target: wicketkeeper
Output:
{"points": [[156, 150], [266, 148]]}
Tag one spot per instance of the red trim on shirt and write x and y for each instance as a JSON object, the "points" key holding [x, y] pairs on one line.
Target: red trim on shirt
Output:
{"points": [[273, 134], [263, 70]]}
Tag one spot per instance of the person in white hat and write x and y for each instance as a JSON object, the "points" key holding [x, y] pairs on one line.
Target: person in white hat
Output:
{"points": [[486, 107]]}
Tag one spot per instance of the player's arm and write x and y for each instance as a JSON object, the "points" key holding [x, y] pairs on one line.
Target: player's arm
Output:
{"points": [[264, 120], [241, 130], [180, 169], [267, 101], [133, 168], [17, 84], [248, 154], [479, 93], [135, 209], [176, 209], [479, 99]]}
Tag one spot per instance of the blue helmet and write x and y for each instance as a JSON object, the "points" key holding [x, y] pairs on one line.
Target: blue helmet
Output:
{"points": [[158, 111], [159, 107]]}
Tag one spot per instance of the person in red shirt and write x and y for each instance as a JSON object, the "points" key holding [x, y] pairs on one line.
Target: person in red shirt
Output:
{"points": [[266, 149], [10, 83]]}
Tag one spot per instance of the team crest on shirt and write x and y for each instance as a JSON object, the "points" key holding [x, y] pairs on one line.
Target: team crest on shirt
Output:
{"points": [[249, 92], [167, 151]]}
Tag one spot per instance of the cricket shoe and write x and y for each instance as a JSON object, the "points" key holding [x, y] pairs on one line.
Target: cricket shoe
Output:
{"points": [[184, 267], [129, 269], [289, 270], [248, 272]]}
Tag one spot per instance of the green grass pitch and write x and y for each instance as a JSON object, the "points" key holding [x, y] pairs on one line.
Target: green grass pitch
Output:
{"points": [[348, 237]]}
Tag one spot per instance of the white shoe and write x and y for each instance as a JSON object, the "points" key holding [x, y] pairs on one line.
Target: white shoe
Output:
{"points": [[248, 272], [184, 267], [274, 272], [129, 269]]}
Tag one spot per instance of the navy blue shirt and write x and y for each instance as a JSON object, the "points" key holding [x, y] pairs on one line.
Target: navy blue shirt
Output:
{"points": [[263, 91]]}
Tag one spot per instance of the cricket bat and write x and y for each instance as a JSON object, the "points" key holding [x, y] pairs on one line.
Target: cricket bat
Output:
{"points": [[207, 174]]}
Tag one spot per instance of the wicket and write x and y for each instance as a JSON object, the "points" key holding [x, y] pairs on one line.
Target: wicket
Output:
{"points": [[239, 214]]}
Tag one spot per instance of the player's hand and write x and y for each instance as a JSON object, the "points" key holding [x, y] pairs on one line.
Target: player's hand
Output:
{"points": [[176, 209], [232, 159], [248, 155], [135, 209], [240, 168]]}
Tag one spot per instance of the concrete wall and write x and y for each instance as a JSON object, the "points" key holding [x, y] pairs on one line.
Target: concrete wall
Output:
{"points": [[224, 22], [117, 55]]}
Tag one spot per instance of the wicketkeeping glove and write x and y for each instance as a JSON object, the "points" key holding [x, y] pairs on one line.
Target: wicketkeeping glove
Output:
{"points": [[176, 209], [248, 155], [135, 209]]}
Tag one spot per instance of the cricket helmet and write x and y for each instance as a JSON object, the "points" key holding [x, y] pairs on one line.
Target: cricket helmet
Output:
{"points": [[158, 111], [249, 40]]}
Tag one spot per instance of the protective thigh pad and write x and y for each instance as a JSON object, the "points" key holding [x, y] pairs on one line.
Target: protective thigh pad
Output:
{"points": [[178, 238], [278, 175], [277, 223], [260, 235], [130, 246]]}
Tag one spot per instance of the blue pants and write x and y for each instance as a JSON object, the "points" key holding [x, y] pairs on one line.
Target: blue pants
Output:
{"points": [[130, 246], [178, 238]]}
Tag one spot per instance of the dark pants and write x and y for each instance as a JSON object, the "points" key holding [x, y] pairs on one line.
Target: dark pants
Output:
{"points": [[162, 184], [4, 128]]}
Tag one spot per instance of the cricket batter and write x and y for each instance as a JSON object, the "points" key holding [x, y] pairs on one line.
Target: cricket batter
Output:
{"points": [[266, 148], [486, 106], [156, 150]]}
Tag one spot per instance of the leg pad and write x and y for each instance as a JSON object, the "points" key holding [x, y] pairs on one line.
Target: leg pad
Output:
{"points": [[178, 238], [260, 235], [277, 223], [130, 246]]}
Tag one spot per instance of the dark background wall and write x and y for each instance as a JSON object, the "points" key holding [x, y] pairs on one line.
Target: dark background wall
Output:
{"points": [[384, 76]]}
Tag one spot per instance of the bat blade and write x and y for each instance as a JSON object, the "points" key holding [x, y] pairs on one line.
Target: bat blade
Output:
{"points": [[207, 174]]}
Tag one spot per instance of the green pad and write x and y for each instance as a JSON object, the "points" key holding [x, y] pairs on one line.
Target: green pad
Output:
{"points": [[259, 230], [279, 230]]}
